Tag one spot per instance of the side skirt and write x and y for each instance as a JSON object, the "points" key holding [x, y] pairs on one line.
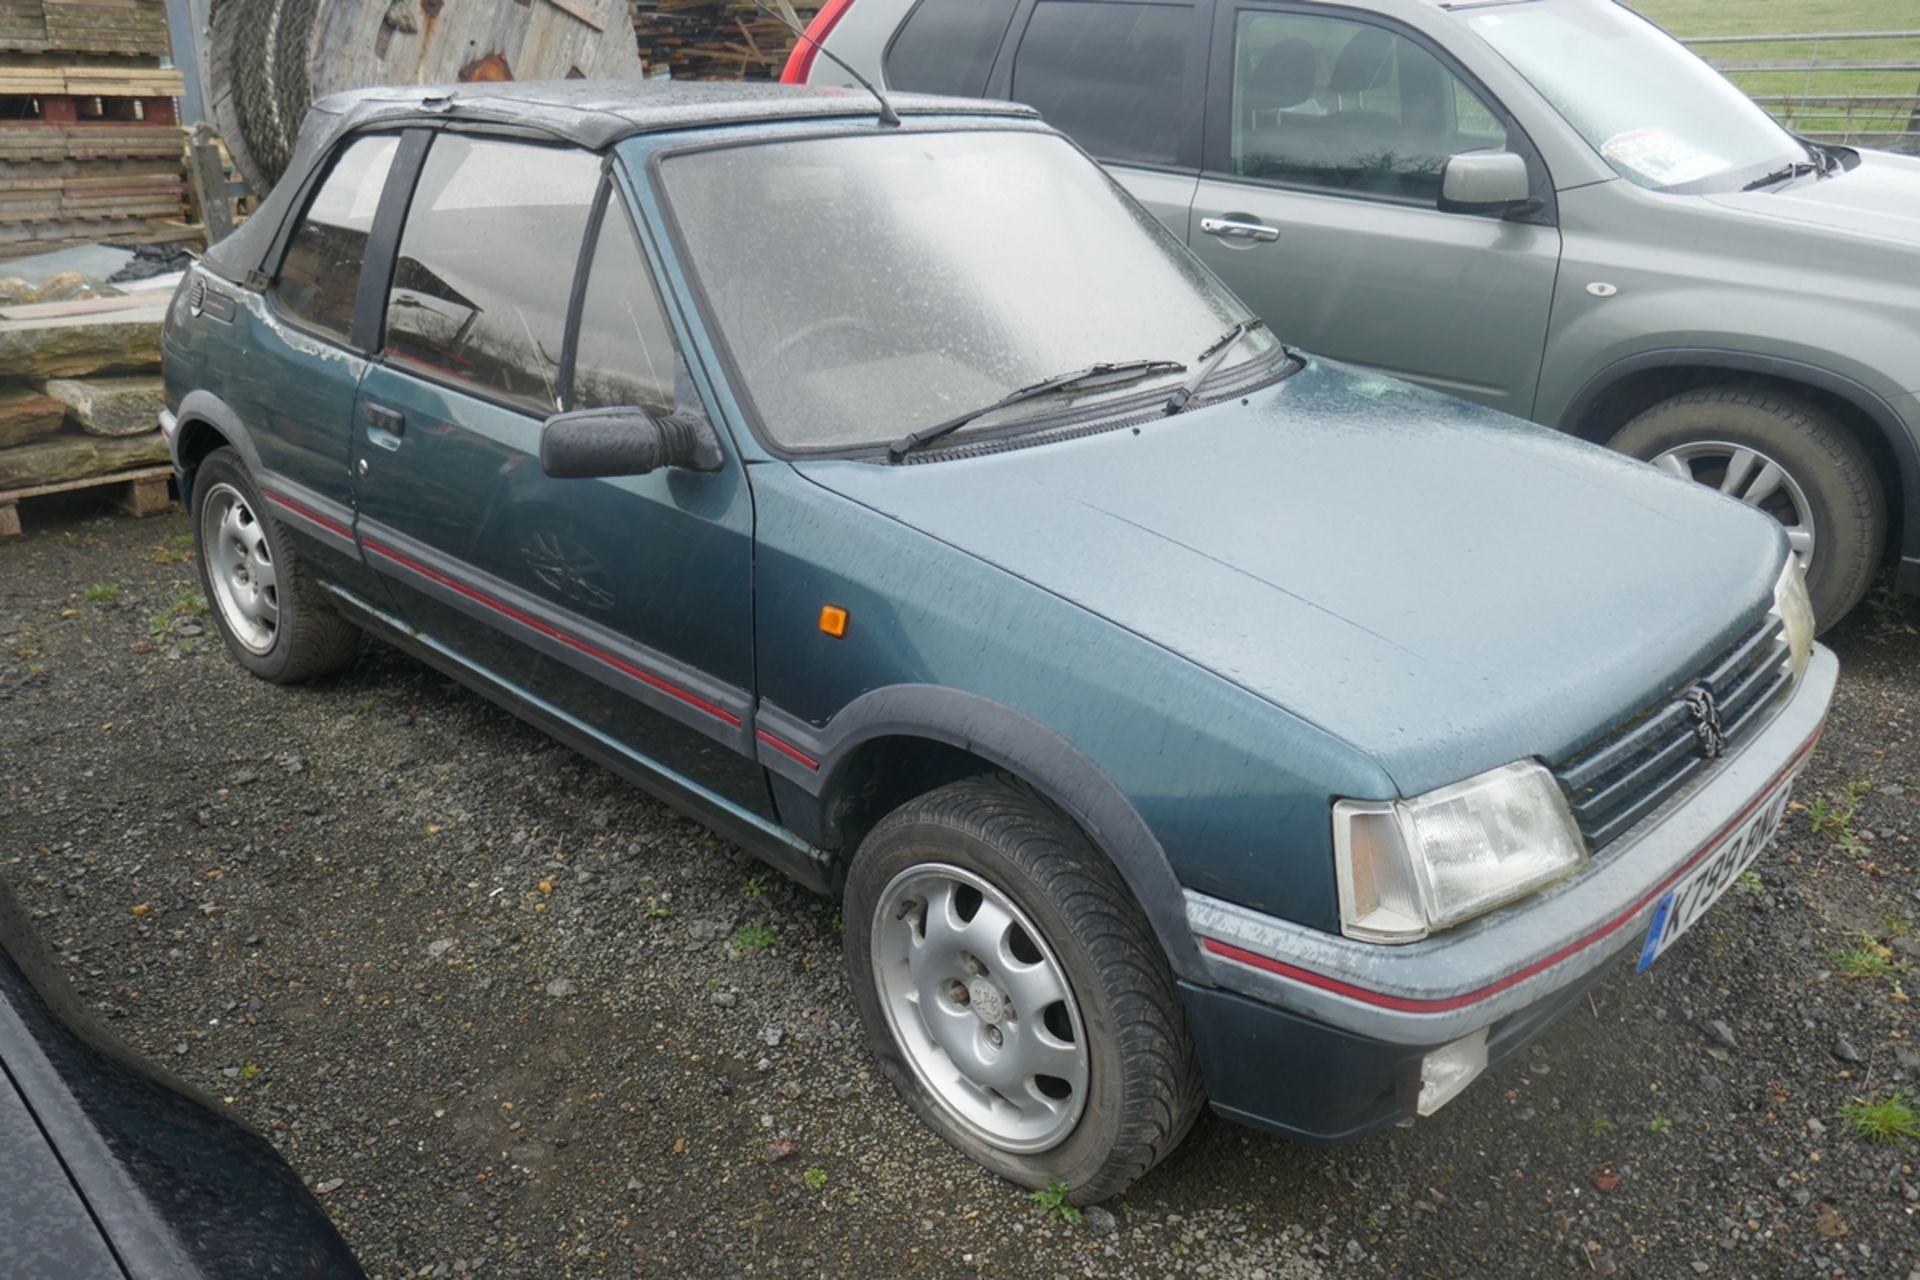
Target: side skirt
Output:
{"points": [[779, 848]]}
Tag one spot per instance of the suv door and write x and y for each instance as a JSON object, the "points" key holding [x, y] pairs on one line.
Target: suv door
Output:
{"points": [[1126, 79], [622, 605], [1327, 132]]}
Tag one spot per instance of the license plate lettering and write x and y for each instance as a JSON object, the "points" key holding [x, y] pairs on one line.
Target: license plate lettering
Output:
{"points": [[1687, 901]]}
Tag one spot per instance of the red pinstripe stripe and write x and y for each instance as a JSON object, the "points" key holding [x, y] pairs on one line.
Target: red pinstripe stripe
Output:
{"points": [[1402, 1004], [572, 642], [314, 516], [786, 749]]}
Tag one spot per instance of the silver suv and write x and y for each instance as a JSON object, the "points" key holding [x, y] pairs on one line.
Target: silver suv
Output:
{"points": [[1547, 206]]}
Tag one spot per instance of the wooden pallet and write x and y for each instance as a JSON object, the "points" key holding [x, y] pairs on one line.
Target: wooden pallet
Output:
{"points": [[141, 493]]}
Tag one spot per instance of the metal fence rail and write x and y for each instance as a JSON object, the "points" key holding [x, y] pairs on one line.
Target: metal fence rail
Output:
{"points": [[1831, 103]]}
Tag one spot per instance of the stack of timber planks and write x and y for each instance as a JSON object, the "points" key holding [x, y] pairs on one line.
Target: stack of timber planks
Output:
{"points": [[89, 145], [714, 39]]}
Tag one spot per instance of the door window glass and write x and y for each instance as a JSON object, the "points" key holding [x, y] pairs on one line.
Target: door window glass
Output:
{"points": [[486, 266], [1116, 78], [625, 354], [947, 46], [1327, 102], [321, 272]]}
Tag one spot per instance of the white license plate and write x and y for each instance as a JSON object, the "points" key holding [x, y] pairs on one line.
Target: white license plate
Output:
{"points": [[1700, 888]]}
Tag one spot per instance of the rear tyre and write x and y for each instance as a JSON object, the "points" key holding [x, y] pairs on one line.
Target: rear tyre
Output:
{"points": [[274, 617], [1787, 458], [1015, 994]]}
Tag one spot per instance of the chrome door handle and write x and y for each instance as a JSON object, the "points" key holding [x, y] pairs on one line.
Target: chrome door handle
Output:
{"points": [[1230, 229]]}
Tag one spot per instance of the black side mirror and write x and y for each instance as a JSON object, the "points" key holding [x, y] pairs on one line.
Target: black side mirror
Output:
{"points": [[1486, 182], [624, 440]]}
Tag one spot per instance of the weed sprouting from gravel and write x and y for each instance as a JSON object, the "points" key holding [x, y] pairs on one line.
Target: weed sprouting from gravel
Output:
{"points": [[749, 938], [654, 910], [1659, 1124], [1749, 881], [188, 604], [1832, 816], [1890, 1120], [1867, 958], [754, 886], [101, 593], [815, 1177], [1601, 1123], [1053, 1201]]}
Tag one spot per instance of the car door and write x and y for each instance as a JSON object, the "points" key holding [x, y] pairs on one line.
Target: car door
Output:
{"points": [[622, 606], [1319, 205], [1126, 79], [303, 361]]}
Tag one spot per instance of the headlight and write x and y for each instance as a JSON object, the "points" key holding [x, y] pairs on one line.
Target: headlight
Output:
{"points": [[1408, 868], [1795, 611]]}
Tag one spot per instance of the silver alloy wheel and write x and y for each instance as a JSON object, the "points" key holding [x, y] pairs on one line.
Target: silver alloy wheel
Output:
{"points": [[1743, 472], [980, 1007], [246, 587]]}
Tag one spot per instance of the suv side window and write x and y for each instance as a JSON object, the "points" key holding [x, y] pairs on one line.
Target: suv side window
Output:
{"points": [[1333, 103], [486, 264], [947, 46], [1117, 78], [320, 273], [624, 354]]}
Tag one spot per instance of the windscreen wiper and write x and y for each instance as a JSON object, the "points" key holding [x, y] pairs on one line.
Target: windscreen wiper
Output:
{"points": [[1792, 169], [1210, 360], [1106, 374]]}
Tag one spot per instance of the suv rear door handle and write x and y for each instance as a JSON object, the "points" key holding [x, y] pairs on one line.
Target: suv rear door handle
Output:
{"points": [[1233, 229], [391, 421]]}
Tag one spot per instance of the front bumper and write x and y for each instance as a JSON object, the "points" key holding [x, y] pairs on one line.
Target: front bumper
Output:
{"points": [[1321, 1037]]}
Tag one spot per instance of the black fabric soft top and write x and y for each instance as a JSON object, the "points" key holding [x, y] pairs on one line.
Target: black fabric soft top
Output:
{"points": [[589, 113]]}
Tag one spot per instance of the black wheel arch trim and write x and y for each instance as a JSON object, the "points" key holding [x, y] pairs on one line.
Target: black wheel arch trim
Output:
{"points": [[1878, 409], [1021, 745], [201, 406]]}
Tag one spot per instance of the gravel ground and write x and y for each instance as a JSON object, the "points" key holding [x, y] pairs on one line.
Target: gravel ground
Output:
{"points": [[485, 998]]}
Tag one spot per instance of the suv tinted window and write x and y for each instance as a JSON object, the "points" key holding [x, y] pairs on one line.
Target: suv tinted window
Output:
{"points": [[1327, 102], [625, 353], [321, 272], [947, 46], [486, 265], [1115, 77]]}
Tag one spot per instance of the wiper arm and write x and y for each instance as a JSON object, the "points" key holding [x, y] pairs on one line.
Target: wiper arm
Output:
{"points": [[1793, 169], [1210, 360], [1105, 374]]}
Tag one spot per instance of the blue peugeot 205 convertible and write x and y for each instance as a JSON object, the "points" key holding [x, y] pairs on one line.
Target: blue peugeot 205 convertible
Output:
{"points": [[1179, 718]]}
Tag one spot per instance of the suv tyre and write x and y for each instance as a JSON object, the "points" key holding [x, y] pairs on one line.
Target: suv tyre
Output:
{"points": [[1789, 459], [1014, 993]]}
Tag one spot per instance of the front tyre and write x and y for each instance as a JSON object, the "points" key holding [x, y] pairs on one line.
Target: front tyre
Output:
{"points": [[272, 614], [1014, 993], [1787, 458]]}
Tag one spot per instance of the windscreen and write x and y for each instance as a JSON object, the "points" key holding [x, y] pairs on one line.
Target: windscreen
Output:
{"points": [[868, 286], [1659, 115]]}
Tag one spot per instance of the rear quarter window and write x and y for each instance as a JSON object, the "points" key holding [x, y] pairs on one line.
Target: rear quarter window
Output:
{"points": [[1118, 78], [947, 46]]}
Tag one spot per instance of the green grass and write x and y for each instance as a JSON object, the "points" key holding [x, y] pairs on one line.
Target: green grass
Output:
{"points": [[1600, 1124], [189, 604], [1749, 881], [754, 886], [100, 593], [1867, 957], [1832, 815], [1890, 1120], [815, 1177], [1053, 1201], [1659, 1124], [750, 938], [1811, 17]]}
